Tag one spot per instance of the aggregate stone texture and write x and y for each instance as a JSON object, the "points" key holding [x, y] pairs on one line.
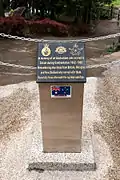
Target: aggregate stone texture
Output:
{"points": [[20, 129]]}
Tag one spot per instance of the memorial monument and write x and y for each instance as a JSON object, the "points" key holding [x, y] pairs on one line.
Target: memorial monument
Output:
{"points": [[61, 75], [66, 139]]}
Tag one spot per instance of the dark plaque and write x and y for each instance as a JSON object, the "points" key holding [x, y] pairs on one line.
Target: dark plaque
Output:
{"points": [[61, 62]]}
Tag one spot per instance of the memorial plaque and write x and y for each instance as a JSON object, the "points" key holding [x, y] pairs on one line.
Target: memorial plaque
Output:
{"points": [[61, 62]]}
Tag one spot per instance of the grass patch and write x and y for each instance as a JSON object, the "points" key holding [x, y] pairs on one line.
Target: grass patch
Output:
{"points": [[116, 3], [115, 47]]}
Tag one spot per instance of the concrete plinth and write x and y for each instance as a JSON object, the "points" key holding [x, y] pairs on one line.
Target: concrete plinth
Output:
{"points": [[67, 141], [83, 161], [61, 119]]}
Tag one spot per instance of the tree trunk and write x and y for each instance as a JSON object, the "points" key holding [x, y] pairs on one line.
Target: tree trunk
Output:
{"points": [[1, 9], [89, 12], [52, 9]]}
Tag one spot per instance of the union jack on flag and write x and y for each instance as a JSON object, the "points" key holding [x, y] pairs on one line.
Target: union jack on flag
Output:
{"points": [[55, 88]]}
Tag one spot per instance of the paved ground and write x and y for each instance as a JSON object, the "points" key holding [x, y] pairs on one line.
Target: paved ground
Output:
{"points": [[21, 137]]}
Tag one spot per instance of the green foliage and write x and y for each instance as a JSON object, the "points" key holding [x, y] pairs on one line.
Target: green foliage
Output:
{"points": [[115, 47], [81, 12], [116, 2], [54, 8]]}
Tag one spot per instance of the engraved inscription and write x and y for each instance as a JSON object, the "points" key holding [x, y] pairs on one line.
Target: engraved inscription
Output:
{"points": [[64, 62]]}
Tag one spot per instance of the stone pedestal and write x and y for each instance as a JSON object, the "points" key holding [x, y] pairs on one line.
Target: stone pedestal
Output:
{"points": [[61, 119]]}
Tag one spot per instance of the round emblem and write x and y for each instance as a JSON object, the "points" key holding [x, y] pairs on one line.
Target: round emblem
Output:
{"points": [[60, 50], [46, 50]]}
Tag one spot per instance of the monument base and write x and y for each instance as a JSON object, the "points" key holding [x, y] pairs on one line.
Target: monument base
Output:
{"points": [[61, 119], [83, 161]]}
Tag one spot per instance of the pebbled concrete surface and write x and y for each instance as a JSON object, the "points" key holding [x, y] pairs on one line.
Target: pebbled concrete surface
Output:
{"points": [[84, 161], [21, 143]]}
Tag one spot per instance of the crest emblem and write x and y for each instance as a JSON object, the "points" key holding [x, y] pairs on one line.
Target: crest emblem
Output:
{"points": [[60, 50], [75, 51], [46, 51]]}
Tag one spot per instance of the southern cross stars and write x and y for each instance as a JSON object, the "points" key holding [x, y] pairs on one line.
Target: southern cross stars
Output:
{"points": [[75, 51]]}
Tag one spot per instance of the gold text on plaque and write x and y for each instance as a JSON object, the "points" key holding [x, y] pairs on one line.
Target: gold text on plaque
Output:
{"points": [[60, 50], [46, 51]]}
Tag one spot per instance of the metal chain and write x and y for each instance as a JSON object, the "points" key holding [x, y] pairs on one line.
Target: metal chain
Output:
{"points": [[70, 40], [32, 68]]}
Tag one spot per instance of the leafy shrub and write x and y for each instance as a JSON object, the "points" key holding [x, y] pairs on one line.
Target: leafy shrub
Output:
{"points": [[115, 47], [12, 25], [22, 27], [19, 26], [47, 26]]}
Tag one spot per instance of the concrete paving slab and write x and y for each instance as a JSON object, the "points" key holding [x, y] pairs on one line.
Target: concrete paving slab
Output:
{"points": [[21, 142], [84, 161]]}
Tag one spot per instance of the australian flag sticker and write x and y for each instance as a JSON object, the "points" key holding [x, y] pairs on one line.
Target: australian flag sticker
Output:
{"points": [[61, 91]]}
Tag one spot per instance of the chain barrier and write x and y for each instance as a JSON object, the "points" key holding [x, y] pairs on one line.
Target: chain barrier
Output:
{"points": [[70, 40], [32, 68], [43, 40]]}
